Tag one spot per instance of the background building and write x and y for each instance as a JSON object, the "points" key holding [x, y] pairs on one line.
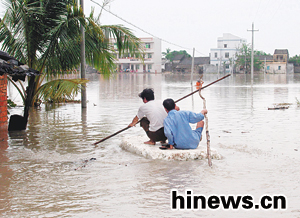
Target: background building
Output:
{"points": [[152, 58], [224, 54]]}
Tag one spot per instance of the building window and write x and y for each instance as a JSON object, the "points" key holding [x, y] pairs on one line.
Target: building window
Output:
{"points": [[227, 66], [115, 46], [137, 67], [149, 66], [279, 67], [147, 45], [225, 45], [149, 55], [216, 54], [268, 67], [226, 54]]}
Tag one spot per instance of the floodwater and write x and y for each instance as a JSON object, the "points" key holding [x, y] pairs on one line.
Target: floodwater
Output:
{"points": [[44, 172]]}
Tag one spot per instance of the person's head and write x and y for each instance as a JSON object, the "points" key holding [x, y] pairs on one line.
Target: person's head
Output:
{"points": [[169, 104], [148, 94]]}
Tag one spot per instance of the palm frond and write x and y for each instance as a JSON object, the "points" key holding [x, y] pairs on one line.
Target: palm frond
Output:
{"points": [[60, 90]]}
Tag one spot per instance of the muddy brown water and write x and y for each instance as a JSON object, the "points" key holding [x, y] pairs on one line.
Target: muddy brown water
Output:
{"points": [[260, 150]]}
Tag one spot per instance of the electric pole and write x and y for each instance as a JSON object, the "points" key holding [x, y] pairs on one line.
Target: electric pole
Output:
{"points": [[192, 70], [252, 51]]}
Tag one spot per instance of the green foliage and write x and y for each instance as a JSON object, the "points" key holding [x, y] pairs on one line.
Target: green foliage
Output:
{"points": [[45, 35], [171, 55], [60, 90], [166, 53], [10, 103], [295, 60], [244, 58]]}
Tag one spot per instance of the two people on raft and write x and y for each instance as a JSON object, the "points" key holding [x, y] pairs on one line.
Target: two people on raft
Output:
{"points": [[165, 121]]}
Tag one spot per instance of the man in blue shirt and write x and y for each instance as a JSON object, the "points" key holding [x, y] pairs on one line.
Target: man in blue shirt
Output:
{"points": [[177, 126]]}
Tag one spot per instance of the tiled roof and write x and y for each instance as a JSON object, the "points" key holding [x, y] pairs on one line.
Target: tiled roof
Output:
{"points": [[281, 51], [263, 57], [197, 61], [17, 70]]}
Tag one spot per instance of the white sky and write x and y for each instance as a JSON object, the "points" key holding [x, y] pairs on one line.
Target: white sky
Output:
{"points": [[198, 23]]}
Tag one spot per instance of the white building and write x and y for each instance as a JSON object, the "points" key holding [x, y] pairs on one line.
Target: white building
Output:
{"points": [[227, 46], [152, 58]]}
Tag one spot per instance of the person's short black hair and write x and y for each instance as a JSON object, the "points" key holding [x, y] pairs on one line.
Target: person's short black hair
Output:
{"points": [[169, 104], [148, 94]]}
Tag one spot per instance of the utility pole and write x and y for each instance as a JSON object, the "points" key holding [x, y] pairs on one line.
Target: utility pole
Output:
{"points": [[82, 57], [192, 70], [252, 51]]}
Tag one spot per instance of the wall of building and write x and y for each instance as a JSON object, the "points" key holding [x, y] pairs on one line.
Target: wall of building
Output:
{"points": [[227, 47], [277, 68], [3, 101], [152, 58]]}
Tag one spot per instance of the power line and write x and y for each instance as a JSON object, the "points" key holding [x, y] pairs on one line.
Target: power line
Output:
{"points": [[141, 28]]}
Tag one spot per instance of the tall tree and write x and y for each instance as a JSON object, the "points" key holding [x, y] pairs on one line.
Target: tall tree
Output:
{"points": [[244, 58], [167, 52], [45, 34]]}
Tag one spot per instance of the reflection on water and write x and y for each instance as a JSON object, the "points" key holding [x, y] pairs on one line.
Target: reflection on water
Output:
{"points": [[260, 149]]}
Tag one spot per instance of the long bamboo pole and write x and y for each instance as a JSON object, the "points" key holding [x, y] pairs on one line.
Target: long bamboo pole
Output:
{"points": [[116, 133], [206, 130]]}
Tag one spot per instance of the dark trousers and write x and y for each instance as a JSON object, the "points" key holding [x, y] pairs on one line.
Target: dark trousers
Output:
{"points": [[156, 136]]}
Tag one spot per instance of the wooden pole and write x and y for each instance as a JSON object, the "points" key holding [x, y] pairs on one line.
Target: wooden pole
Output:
{"points": [[207, 132], [116, 133]]}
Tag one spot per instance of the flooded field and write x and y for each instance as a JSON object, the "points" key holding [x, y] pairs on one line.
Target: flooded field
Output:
{"points": [[53, 170]]}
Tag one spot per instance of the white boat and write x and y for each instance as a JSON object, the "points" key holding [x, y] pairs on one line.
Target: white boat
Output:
{"points": [[136, 145]]}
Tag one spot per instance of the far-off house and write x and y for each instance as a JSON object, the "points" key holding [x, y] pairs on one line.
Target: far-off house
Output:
{"points": [[183, 64], [279, 63]]}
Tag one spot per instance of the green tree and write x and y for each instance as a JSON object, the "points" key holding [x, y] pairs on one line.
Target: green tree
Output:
{"points": [[45, 35], [171, 55], [244, 58], [295, 60], [166, 53]]}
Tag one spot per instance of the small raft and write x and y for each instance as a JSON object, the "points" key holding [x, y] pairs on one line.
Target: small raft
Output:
{"points": [[136, 145]]}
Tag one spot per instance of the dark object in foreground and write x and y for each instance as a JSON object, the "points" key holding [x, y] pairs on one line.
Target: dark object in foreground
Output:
{"points": [[165, 146], [17, 123]]}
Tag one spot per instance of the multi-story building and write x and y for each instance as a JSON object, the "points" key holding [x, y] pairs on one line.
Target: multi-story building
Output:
{"points": [[152, 58], [227, 47]]}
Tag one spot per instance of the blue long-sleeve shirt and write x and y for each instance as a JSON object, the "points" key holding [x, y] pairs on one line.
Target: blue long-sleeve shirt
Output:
{"points": [[178, 130]]}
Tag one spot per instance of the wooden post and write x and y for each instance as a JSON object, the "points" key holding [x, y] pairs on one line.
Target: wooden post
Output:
{"points": [[206, 130]]}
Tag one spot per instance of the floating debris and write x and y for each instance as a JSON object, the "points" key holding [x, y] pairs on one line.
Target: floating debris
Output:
{"points": [[226, 131], [278, 108], [85, 163]]}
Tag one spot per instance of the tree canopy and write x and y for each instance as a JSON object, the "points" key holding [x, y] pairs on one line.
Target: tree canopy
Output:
{"points": [[171, 55], [45, 35], [244, 58], [295, 60]]}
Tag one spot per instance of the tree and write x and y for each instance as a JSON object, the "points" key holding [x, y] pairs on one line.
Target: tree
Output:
{"points": [[171, 55], [45, 34], [244, 58], [166, 53], [295, 60]]}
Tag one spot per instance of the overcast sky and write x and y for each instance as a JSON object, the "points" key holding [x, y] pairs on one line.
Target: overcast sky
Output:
{"points": [[188, 24], [198, 23]]}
